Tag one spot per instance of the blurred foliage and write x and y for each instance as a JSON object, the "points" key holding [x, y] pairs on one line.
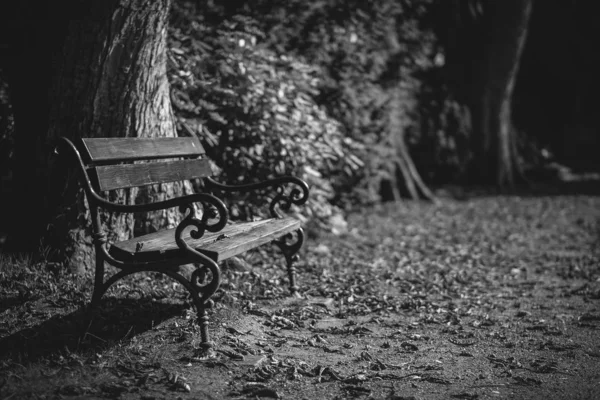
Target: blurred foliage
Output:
{"points": [[305, 88], [441, 148], [253, 109], [367, 50], [273, 76]]}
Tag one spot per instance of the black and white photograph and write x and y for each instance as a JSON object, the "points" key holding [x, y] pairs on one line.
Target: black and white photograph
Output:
{"points": [[299, 199]]}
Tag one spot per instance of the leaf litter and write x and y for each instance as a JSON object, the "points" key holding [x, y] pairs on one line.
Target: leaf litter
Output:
{"points": [[490, 296]]}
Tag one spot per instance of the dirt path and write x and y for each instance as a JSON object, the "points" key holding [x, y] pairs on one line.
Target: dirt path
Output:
{"points": [[486, 298]]}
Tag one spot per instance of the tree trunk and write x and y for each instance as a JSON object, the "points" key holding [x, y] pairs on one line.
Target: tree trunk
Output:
{"points": [[405, 171], [108, 78], [408, 180], [483, 42], [495, 159]]}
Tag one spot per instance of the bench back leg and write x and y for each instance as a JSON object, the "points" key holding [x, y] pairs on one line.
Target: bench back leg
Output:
{"points": [[99, 288]]}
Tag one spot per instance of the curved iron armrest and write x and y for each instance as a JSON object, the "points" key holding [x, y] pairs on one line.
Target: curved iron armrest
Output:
{"points": [[297, 194], [184, 202]]}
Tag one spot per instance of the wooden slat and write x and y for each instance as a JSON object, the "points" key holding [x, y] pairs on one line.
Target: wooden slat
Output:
{"points": [[241, 242], [114, 150], [129, 175], [237, 239]]}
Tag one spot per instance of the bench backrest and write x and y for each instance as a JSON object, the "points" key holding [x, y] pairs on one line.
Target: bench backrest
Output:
{"points": [[111, 160]]}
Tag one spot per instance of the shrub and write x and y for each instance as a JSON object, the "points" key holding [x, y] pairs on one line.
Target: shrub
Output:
{"points": [[367, 52], [253, 109]]}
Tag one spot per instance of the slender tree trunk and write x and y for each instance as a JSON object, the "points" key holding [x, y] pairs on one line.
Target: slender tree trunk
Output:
{"points": [[484, 40], [495, 159], [108, 78], [408, 178]]}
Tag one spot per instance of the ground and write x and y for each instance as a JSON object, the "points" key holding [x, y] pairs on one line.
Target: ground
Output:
{"points": [[485, 297]]}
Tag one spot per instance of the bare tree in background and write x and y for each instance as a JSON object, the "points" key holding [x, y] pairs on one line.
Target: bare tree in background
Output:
{"points": [[483, 42]]}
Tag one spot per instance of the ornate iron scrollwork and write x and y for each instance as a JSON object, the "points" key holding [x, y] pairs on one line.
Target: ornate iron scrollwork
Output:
{"points": [[284, 201], [285, 196], [199, 281], [203, 224], [289, 245]]}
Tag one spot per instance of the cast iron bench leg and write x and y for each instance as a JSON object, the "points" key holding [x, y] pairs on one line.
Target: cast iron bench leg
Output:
{"points": [[201, 289], [290, 248], [99, 289]]}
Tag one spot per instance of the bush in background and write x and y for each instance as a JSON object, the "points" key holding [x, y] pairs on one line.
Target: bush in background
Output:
{"points": [[363, 53], [253, 109]]}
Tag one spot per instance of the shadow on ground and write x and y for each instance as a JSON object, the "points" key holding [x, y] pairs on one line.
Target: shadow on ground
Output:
{"points": [[115, 320]]}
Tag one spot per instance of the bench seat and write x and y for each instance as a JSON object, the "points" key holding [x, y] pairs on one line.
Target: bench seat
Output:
{"points": [[232, 240]]}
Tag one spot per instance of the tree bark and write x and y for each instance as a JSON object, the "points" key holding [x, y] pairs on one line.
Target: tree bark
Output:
{"points": [[483, 42], [495, 159], [107, 78], [405, 172]]}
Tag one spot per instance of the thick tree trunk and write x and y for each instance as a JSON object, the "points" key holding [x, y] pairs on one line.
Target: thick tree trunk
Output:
{"points": [[108, 79]]}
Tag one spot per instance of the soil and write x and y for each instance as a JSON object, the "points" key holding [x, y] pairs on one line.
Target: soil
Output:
{"points": [[488, 297]]}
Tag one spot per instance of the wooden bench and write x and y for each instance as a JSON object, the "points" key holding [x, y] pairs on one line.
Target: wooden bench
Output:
{"points": [[108, 164]]}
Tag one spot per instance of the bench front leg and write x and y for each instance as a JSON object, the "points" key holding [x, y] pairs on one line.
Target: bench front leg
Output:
{"points": [[205, 280]]}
